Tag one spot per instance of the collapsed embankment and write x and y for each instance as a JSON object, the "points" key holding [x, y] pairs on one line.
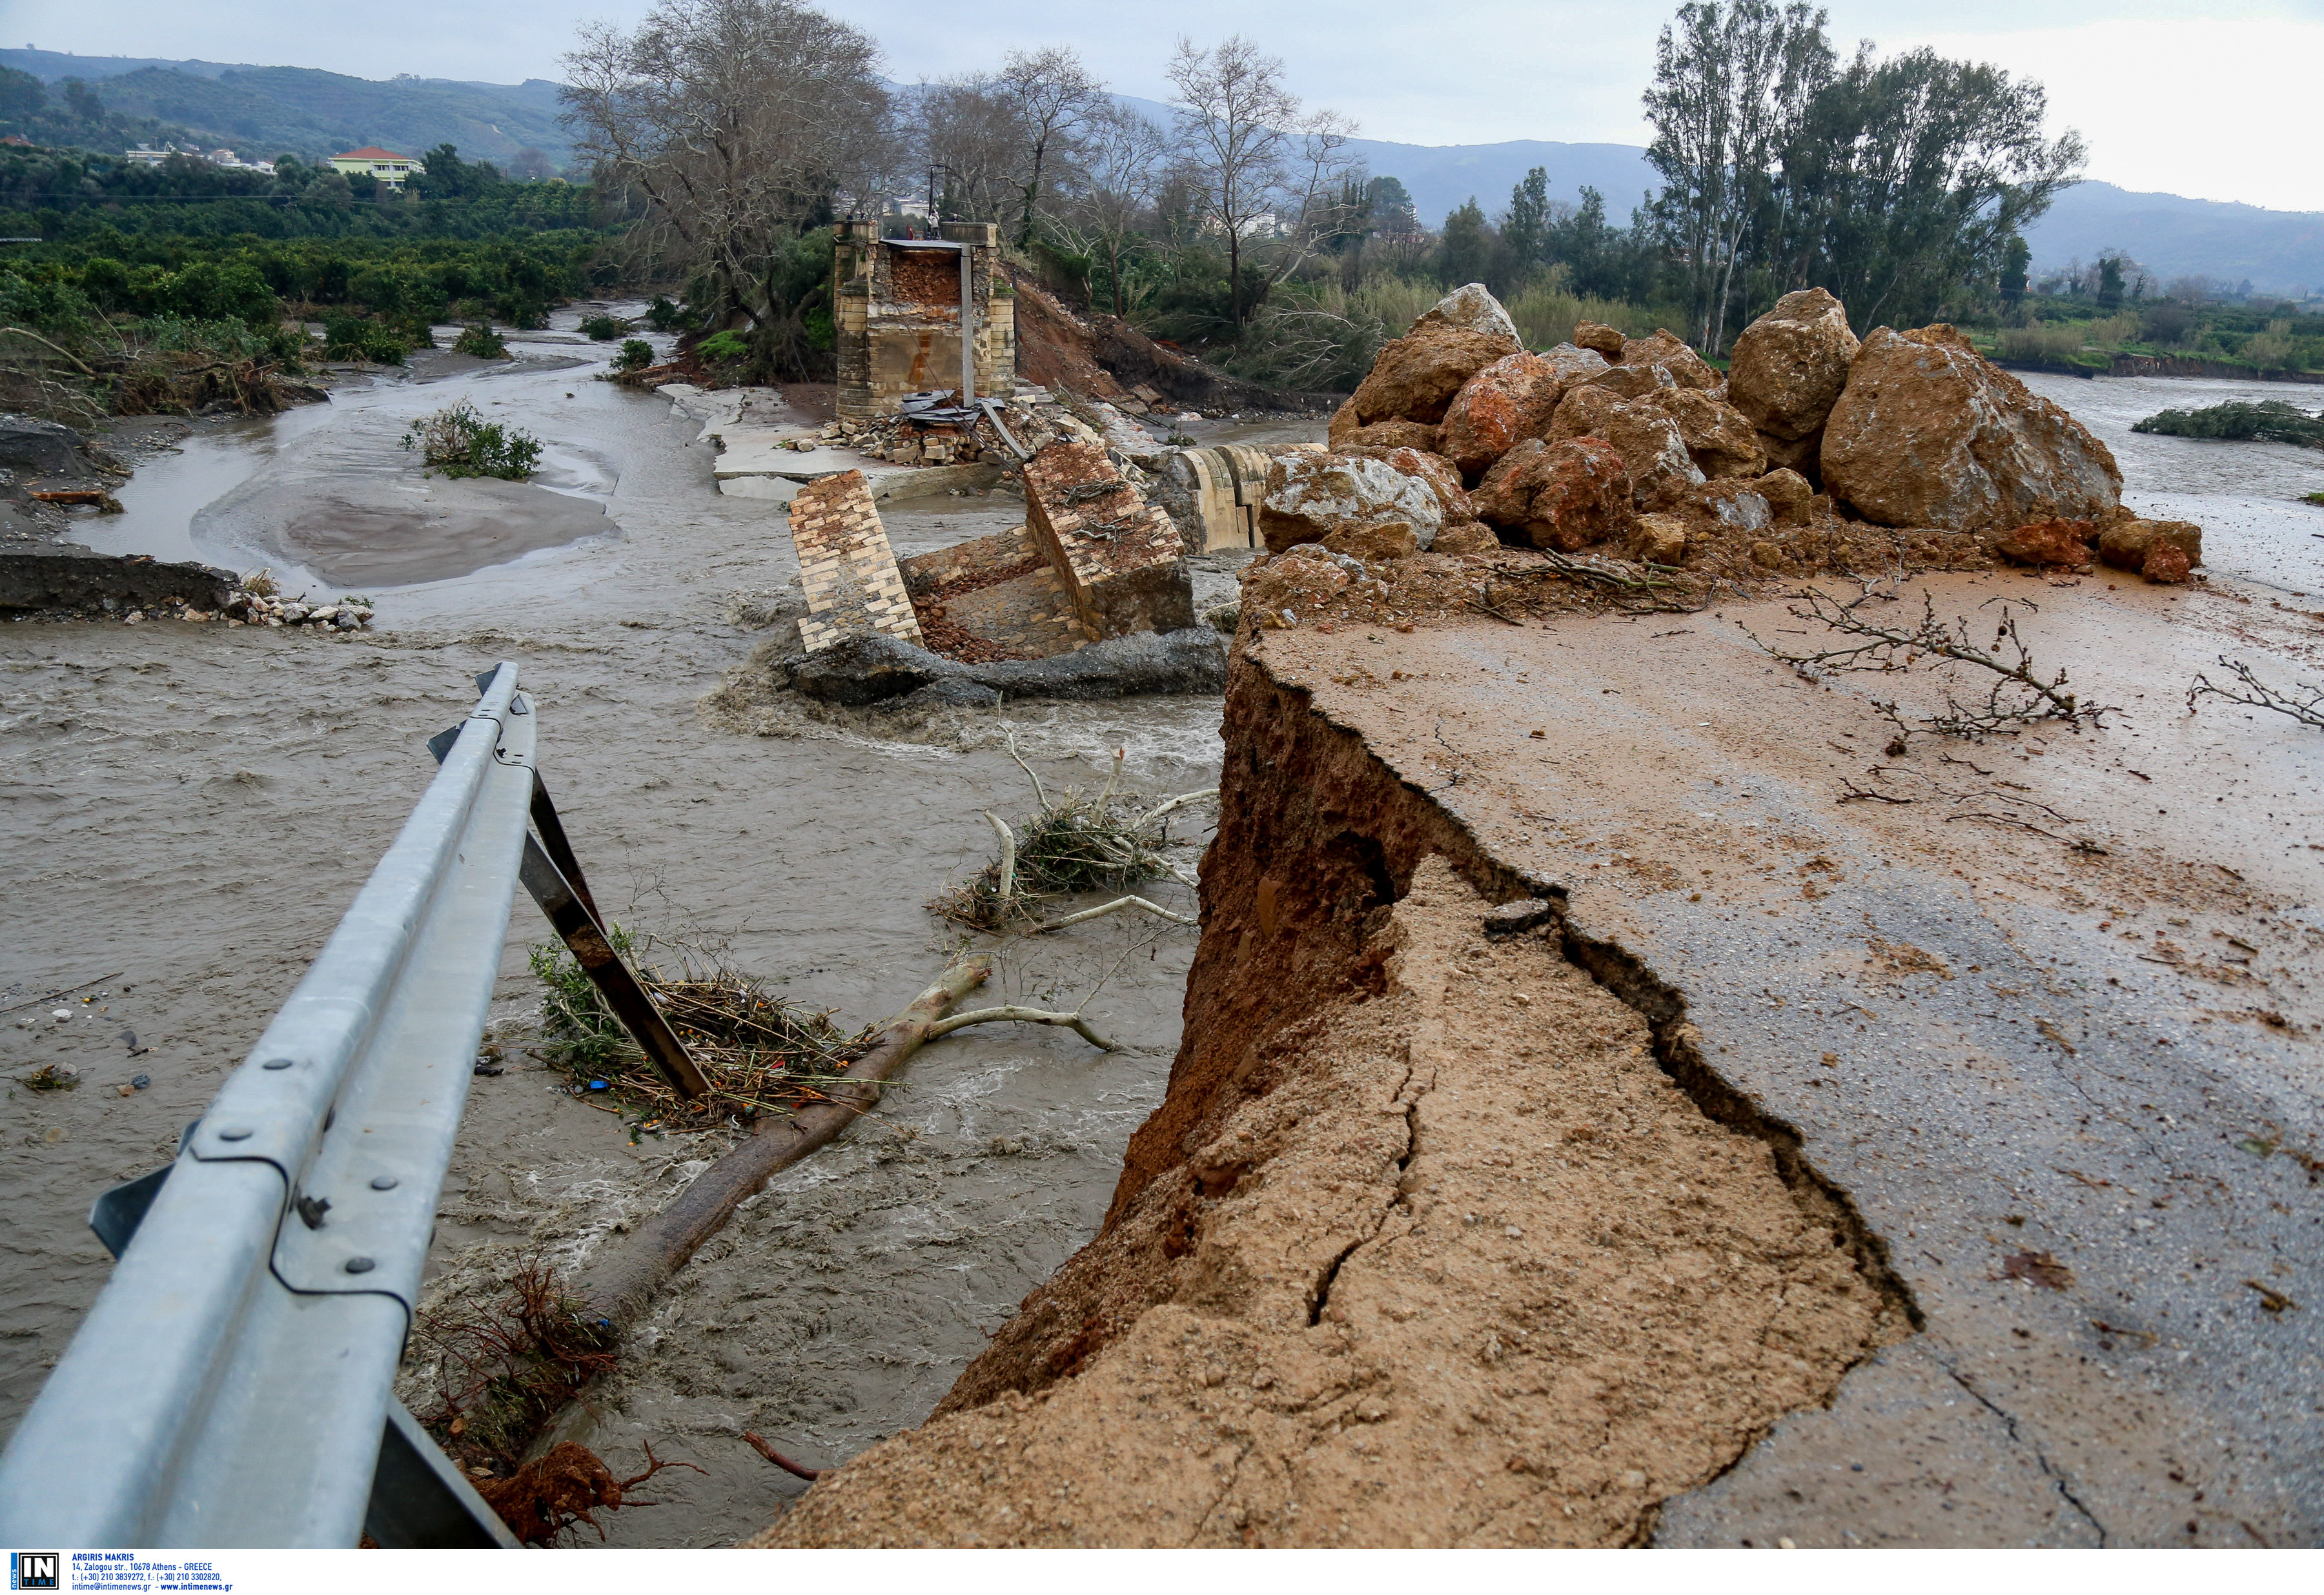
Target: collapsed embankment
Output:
{"points": [[1444, 1235]]}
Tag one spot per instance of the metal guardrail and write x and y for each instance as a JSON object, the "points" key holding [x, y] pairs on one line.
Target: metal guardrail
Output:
{"points": [[232, 1385]]}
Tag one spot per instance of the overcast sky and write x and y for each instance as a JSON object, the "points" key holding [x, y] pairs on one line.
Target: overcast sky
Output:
{"points": [[2217, 101]]}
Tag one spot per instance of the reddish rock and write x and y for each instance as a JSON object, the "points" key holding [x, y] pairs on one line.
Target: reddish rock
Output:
{"points": [[1787, 492], [1669, 353], [1790, 365], [2166, 562], [1586, 412], [1632, 382], [1718, 438], [1654, 453], [1465, 537], [1558, 496], [1416, 377], [1598, 337], [2125, 543], [1311, 497], [1375, 541], [1929, 433], [1506, 403], [2046, 543], [1793, 454]]}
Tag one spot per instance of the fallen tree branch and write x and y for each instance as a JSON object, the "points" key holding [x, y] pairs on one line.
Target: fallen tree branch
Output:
{"points": [[1025, 1016], [2308, 708], [2017, 698], [778, 1458], [1006, 887], [1112, 907], [615, 1292]]}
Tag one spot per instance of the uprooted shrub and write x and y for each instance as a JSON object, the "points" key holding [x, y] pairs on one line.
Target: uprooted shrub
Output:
{"points": [[602, 330], [459, 442], [635, 354]]}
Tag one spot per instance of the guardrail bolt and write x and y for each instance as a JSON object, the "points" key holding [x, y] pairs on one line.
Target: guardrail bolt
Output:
{"points": [[382, 1182], [359, 1265], [235, 1132]]}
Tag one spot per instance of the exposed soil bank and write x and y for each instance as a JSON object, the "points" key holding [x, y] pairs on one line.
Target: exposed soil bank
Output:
{"points": [[1442, 1237]]}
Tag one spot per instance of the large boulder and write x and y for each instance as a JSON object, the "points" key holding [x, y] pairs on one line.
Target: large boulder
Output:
{"points": [[1311, 497], [1665, 351], [1718, 435], [1506, 403], [1435, 469], [1790, 365], [1632, 382], [1928, 433], [1558, 496], [1654, 453], [1415, 376], [1599, 337], [1586, 412], [1472, 307], [1346, 432], [1574, 364]]}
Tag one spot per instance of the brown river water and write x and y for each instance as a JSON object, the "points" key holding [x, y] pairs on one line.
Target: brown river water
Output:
{"points": [[186, 810]]}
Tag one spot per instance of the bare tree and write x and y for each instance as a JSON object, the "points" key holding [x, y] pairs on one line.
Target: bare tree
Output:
{"points": [[1233, 107], [969, 134], [1122, 163], [1055, 98], [738, 122]]}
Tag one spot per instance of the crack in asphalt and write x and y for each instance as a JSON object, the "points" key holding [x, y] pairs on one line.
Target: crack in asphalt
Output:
{"points": [[2057, 1479]]}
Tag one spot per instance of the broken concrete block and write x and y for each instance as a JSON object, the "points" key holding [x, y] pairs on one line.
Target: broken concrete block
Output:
{"points": [[849, 572], [1122, 559]]}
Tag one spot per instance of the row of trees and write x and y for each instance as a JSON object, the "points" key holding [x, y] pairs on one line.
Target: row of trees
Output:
{"points": [[733, 129]]}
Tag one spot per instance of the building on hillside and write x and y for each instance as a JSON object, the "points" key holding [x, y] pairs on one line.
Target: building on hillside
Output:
{"points": [[386, 165]]}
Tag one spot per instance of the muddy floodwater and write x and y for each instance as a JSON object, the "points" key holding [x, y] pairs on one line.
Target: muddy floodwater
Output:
{"points": [[186, 810]]}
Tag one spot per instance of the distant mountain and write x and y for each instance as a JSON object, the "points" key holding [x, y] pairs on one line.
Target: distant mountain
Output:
{"points": [[2279, 251], [266, 111]]}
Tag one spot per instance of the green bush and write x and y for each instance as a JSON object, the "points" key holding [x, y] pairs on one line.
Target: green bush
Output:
{"points": [[604, 329], [663, 316], [459, 442], [481, 341], [2271, 420], [359, 337], [636, 355]]}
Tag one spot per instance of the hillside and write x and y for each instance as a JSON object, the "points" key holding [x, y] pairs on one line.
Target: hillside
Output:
{"points": [[266, 111]]}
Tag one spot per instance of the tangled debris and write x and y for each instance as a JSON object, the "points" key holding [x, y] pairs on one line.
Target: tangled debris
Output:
{"points": [[1109, 842], [761, 1055], [564, 1487]]}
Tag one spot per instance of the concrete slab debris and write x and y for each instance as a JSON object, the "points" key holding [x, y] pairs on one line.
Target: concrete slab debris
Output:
{"points": [[1122, 559], [847, 567]]}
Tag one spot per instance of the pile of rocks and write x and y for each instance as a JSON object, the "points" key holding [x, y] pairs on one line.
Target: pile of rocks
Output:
{"points": [[255, 602], [1460, 440]]}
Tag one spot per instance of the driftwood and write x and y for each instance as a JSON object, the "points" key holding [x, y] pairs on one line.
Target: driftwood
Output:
{"points": [[617, 1291]]}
